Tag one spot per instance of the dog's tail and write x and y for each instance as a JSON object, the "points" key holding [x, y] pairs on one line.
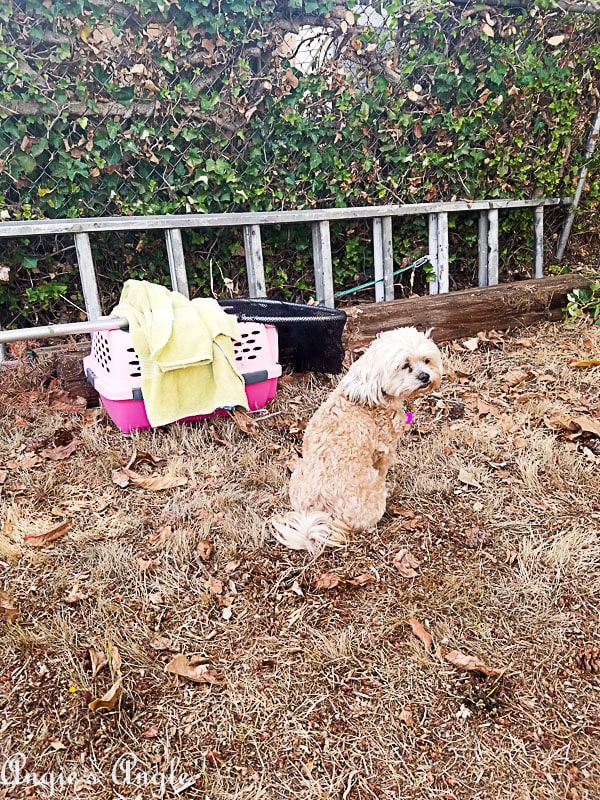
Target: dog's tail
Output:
{"points": [[309, 530]]}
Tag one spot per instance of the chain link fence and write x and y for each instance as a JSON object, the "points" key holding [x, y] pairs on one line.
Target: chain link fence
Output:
{"points": [[109, 110], [118, 112]]}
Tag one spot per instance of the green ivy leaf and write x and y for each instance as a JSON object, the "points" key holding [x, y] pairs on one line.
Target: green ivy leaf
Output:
{"points": [[22, 163]]}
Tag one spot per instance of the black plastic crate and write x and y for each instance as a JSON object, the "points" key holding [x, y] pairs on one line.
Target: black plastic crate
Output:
{"points": [[310, 337]]}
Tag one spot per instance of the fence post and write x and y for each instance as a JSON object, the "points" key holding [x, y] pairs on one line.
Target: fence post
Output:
{"points": [[383, 259], [322, 260], [87, 273], [255, 269], [176, 258]]}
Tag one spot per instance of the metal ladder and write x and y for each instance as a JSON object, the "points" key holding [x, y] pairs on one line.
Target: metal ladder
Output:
{"points": [[251, 222]]}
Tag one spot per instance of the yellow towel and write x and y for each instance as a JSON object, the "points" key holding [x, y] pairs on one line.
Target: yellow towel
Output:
{"points": [[187, 360]]}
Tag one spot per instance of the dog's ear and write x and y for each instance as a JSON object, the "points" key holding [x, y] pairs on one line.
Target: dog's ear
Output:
{"points": [[363, 383]]}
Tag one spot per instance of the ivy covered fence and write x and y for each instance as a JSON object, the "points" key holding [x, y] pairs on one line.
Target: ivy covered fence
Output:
{"points": [[195, 107]]}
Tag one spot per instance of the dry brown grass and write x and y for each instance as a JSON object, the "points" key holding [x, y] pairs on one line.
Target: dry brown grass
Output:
{"points": [[320, 693]]}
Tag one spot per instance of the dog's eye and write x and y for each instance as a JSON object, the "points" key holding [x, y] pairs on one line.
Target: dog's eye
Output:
{"points": [[406, 365], [426, 361]]}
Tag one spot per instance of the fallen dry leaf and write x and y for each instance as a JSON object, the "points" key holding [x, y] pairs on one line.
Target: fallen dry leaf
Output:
{"points": [[40, 539], [587, 362], [420, 632], [75, 595], [328, 580], [159, 482], [141, 456], [362, 580], [155, 483], [495, 337], [508, 424], [516, 376], [476, 537], [471, 344], [161, 643], [215, 759], [198, 673], [114, 658], [588, 425], [61, 452], [26, 461], [161, 534], [98, 659], [109, 700], [61, 400], [469, 663], [205, 548], [559, 421], [214, 585], [406, 564], [400, 511], [120, 477], [406, 716], [466, 477], [57, 745], [217, 438], [244, 421], [484, 408], [8, 611], [146, 564]]}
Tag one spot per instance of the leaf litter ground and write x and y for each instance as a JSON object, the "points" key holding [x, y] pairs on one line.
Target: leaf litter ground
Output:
{"points": [[156, 642]]}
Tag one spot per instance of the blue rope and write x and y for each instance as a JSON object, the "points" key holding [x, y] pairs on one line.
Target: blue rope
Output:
{"points": [[418, 263]]}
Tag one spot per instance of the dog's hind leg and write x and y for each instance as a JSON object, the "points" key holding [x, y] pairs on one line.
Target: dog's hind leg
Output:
{"points": [[383, 458]]}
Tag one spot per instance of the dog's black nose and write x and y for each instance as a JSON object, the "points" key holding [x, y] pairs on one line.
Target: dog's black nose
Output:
{"points": [[424, 377]]}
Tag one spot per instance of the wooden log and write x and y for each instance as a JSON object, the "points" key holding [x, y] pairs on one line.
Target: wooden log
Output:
{"points": [[65, 362], [68, 368], [465, 313]]}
